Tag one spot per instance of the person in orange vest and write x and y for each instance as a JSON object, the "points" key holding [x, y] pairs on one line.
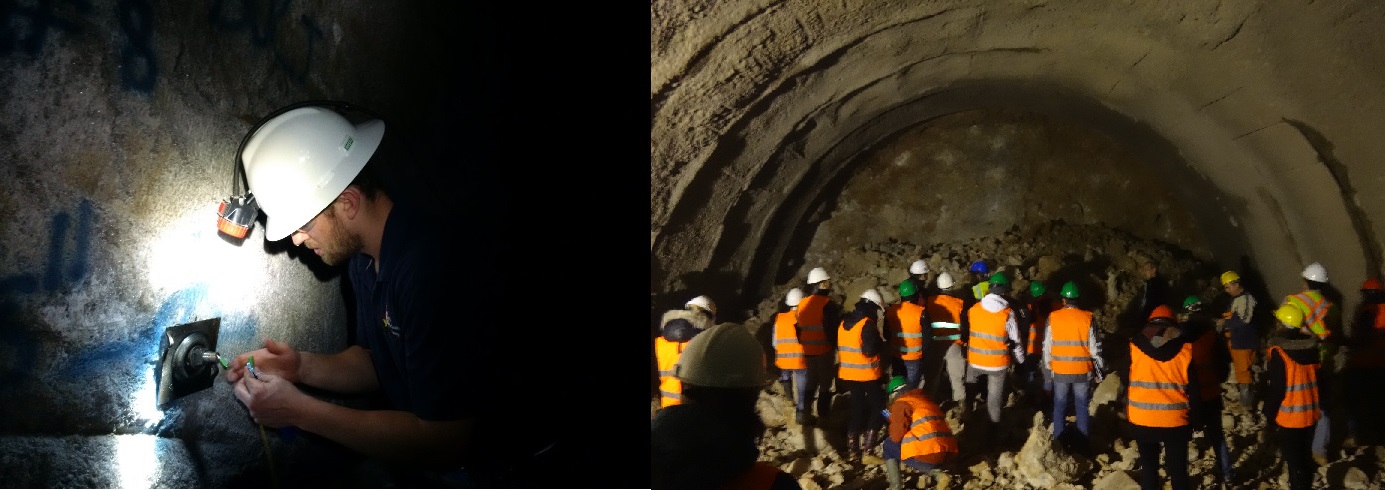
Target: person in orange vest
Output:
{"points": [[1211, 359], [788, 354], [1161, 392], [906, 326], [818, 316], [1072, 352], [1243, 339], [918, 435], [945, 354], [1366, 365], [859, 346], [1321, 318], [918, 274], [992, 336], [1292, 405], [1038, 381], [678, 328], [711, 440]]}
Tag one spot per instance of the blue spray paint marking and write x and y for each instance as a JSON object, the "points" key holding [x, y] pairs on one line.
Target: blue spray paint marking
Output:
{"points": [[139, 66], [26, 27], [179, 308], [55, 278]]}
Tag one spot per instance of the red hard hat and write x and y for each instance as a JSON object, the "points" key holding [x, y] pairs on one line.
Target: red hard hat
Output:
{"points": [[1373, 284], [1161, 311]]}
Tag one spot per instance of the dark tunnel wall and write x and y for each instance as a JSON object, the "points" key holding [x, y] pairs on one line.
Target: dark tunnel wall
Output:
{"points": [[118, 126], [1271, 108]]}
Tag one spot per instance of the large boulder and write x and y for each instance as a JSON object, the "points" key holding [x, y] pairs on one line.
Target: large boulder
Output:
{"points": [[1044, 464]]}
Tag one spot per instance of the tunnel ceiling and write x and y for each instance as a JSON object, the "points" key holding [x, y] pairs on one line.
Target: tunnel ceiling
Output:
{"points": [[1261, 117]]}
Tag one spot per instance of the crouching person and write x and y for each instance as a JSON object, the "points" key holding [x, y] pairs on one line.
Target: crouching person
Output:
{"points": [[919, 436]]}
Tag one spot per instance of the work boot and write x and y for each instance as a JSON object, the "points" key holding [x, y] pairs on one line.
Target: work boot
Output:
{"points": [[868, 448], [787, 384], [800, 417], [853, 445], [892, 474], [1320, 459]]}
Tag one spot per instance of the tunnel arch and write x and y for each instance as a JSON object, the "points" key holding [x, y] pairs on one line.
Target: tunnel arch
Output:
{"points": [[754, 108]]}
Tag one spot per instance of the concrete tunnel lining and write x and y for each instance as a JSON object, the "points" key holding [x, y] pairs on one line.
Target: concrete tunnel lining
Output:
{"points": [[1223, 114]]}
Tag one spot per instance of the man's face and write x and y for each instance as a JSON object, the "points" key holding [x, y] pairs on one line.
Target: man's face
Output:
{"points": [[325, 236], [1233, 288]]}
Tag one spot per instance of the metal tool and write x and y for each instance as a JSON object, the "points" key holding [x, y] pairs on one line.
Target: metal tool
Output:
{"points": [[187, 360]]}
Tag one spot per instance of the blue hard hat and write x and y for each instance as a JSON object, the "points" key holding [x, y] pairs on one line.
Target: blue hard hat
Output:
{"points": [[979, 267]]}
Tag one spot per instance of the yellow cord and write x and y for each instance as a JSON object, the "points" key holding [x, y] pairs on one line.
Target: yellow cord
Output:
{"points": [[273, 475]]}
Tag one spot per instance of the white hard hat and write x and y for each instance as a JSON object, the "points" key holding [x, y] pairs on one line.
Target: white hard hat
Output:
{"points": [[795, 295], [299, 162], [724, 356], [703, 302], [817, 275], [945, 281], [873, 296], [918, 267], [1315, 272]]}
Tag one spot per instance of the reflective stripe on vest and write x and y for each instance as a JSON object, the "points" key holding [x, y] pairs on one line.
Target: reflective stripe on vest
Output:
{"points": [[986, 347], [928, 432], [945, 311], [1069, 349], [788, 353], [854, 365], [811, 333], [1314, 308], [1208, 386], [670, 387], [904, 331], [1300, 406], [1157, 395]]}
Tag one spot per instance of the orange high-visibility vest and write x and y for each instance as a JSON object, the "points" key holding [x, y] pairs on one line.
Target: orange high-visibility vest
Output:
{"points": [[986, 347], [1070, 329], [854, 364], [1208, 386], [904, 331], [1379, 316], [788, 353], [928, 431], [945, 312], [1158, 389], [1314, 307], [811, 333], [670, 388], [1300, 406]]}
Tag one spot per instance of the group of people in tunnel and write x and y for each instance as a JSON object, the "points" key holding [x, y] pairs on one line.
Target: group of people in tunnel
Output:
{"points": [[944, 344]]}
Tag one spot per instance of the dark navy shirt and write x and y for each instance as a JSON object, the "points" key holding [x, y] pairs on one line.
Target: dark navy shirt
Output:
{"points": [[429, 360]]}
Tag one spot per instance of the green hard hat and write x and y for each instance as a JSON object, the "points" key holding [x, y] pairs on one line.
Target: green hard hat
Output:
{"points": [[1070, 290], [1190, 301], [999, 278], [1037, 289], [906, 289], [895, 383]]}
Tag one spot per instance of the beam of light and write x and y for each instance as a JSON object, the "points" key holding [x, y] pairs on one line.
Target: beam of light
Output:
{"points": [[144, 400], [137, 460], [189, 251]]}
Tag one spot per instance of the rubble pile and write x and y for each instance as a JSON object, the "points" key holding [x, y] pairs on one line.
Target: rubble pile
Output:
{"points": [[1020, 454]]}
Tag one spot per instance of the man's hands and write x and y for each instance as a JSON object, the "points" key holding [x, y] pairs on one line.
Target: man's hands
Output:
{"points": [[276, 358], [272, 400]]}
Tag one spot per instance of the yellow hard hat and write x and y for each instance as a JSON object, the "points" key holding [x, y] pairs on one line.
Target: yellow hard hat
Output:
{"points": [[1289, 315], [1229, 277]]}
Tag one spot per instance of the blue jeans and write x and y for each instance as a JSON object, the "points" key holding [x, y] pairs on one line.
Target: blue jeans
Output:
{"points": [[1060, 407], [800, 386], [890, 450], [913, 373]]}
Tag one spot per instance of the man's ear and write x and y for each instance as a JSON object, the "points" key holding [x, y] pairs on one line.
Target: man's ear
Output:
{"points": [[348, 203]]}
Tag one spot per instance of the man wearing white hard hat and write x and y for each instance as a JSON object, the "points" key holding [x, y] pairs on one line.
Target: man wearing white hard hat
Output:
{"points": [[314, 174], [818, 316], [788, 354]]}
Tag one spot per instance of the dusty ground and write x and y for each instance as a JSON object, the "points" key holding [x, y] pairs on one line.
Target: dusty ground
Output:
{"points": [[1019, 454]]}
